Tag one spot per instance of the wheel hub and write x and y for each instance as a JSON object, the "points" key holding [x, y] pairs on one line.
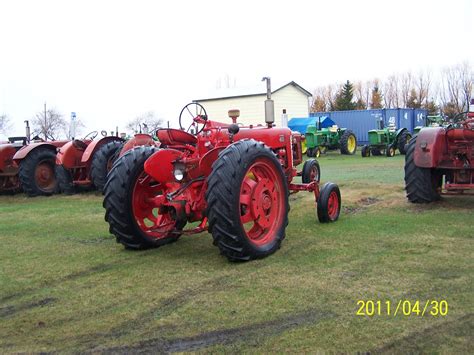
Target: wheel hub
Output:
{"points": [[262, 202]]}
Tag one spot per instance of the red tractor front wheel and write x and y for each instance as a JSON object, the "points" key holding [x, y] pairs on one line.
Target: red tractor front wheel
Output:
{"points": [[134, 219], [247, 201]]}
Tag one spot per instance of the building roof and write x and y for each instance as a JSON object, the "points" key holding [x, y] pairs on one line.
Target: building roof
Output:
{"points": [[247, 92]]}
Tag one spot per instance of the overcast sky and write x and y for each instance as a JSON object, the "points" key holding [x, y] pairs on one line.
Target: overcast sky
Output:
{"points": [[111, 61]]}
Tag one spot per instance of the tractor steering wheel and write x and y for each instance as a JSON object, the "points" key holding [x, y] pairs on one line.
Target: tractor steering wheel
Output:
{"points": [[192, 118], [92, 135]]}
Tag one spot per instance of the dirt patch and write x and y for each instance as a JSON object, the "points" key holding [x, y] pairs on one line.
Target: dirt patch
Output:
{"points": [[11, 310], [367, 201], [224, 336], [49, 283], [430, 339]]}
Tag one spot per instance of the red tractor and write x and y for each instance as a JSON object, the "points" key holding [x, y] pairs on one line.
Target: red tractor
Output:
{"points": [[437, 152], [86, 162], [234, 180], [28, 166]]}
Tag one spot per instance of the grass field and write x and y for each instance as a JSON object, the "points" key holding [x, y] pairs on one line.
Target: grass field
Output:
{"points": [[66, 286]]}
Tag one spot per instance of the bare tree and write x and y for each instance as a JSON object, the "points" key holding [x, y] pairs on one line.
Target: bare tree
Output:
{"points": [[71, 132], [146, 123], [360, 95], [4, 123], [376, 96], [423, 87], [406, 85], [456, 86], [48, 123], [319, 103], [392, 91]]}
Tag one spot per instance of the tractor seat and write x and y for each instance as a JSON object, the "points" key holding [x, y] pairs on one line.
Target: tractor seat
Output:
{"points": [[171, 136], [78, 144], [333, 128]]}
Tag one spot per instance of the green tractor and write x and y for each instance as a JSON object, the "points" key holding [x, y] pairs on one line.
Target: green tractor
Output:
{"points": [[431, 121], [319, 140], [386, 140]]}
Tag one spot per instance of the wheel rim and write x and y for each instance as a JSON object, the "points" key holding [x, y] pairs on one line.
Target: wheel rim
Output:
{"points": [[351, 144], [314, 173], [44, 176], [333, 205], [146, 213], [392, 152], [304, 147], [318, 153], [262, 203]]}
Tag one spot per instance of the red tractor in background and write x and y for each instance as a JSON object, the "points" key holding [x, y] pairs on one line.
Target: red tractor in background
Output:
{"points": [[234, 180], [84, 163], [28, 165], [437, 152]]}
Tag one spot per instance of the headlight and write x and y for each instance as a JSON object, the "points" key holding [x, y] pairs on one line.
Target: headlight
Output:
{"points": [[178, 172]]}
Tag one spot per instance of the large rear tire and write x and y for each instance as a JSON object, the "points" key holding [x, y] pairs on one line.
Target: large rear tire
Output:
{"points": [[37, 173], [247, 201], [421, 184], [348, 142], [133, 219], [65, 180], [102, 162]]}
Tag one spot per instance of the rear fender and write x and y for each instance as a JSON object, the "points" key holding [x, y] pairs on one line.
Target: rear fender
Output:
{"points": [[138, 140], [430, 147], [399, 133], [160, 164], [23, 152], [69, 156], [94, 146]]}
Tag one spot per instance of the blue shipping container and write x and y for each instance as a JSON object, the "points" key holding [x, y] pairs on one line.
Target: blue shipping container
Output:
{"points": [[361, 121]]}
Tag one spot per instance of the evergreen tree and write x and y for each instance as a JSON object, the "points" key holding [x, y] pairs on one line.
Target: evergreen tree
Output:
{"points": [[431, 107], [344, 98], [376, 100], [412, 101]]}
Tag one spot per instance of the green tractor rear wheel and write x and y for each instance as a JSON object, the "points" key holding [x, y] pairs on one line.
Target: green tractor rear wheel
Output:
{"points": [[403, 140], [365, 151], [390, 152], [348, 142]]}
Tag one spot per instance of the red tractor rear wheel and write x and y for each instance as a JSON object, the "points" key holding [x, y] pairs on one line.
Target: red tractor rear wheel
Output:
{"points": [[102, 163], [36, 173], [133, 218], [247, 200], [422, 184]]}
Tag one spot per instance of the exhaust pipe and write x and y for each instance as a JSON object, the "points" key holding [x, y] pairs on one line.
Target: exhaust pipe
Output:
{"points": [[269, 105], [28, 133]]}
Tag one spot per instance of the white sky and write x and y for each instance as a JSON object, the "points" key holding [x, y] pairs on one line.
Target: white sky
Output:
{"points": [[111, 61]]}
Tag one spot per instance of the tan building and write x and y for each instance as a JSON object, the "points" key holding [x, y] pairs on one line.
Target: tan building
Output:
{"points": [[291, 97]]}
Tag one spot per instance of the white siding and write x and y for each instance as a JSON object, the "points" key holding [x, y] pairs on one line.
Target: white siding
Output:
{"points": [[252, 110]]}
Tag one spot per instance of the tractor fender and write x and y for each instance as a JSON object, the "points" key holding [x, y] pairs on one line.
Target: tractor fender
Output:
{"points": [[138, 140], [205, 164], [7, 151], [94, 146], [69, 155], [430, 146], [399, 132], [160, 164], [23, 152]]}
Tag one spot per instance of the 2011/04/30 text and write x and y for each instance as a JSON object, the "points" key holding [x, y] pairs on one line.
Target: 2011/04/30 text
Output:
{"points": [[434, 308]]}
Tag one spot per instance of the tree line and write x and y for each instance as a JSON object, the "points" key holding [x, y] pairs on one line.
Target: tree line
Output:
{"points": [[448, 95], [50, 124]]}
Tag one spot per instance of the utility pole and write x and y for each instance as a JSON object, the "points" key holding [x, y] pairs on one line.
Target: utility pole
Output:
{"points": [[45, 123]]}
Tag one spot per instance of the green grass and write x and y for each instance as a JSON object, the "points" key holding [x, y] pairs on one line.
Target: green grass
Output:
{"points": [[66, 286]]}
